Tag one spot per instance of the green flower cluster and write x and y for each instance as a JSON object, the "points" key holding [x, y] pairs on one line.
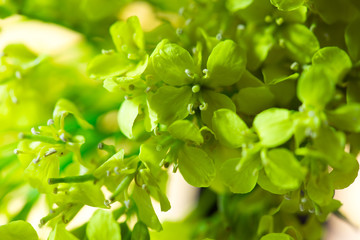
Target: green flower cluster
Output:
{"points": [[253, 100]]}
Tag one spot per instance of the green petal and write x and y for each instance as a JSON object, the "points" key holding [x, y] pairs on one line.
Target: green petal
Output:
{"points": [[266, 225], [64, 107], [102, 225], [265, 183], [225, 64], [18, 230], [234, 5], [196, 166], [315, 87], [345, 118], [299, 15], [343, 177], [230, 129], [19, 55], [335, 60], [352, 38], [287, 5], [170, 103], [115, 160], [60, 233], [84, 193], [186, 131], [108, 65], [277, 236], [283, 169], [319, 189], [140, 232], [145, 209], [127, 115], [173, 64], [352, 92], [151, 154], [330, 144], [259, 42], [300, 42], [214, 102], [336, 11], [242, 180], [128, 36], [274, 74], [38, 173], [253, 100], [274, 126]]}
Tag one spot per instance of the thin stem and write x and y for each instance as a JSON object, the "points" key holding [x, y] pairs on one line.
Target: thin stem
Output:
{"points": [[122, 186], [39, 138], [72, 179], [108, 148]]}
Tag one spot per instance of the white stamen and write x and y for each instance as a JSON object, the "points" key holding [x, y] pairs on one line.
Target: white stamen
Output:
{"points": [[50, 152], [50, 122], [62, 137], [33, 131]]}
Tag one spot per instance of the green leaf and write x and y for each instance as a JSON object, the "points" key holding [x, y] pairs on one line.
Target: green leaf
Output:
{"points": [[140, 232], [108, 65], [145, 209], [64, 107], [319, 189], [215, 101], [244, 179], [102, 225], [235, 5], [335, 60], [186, 131], [346, 117], [225, 64], [253, 100], [287, 5], [300, 42], [18, 230], [179, 64], [230, 129], [352, 39], [60, 233], [170, 103], [127, 115], [128, 36], [282, 168], [277, 236], [315, 87], [197, 168], [274, 126], [341, 178]]}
